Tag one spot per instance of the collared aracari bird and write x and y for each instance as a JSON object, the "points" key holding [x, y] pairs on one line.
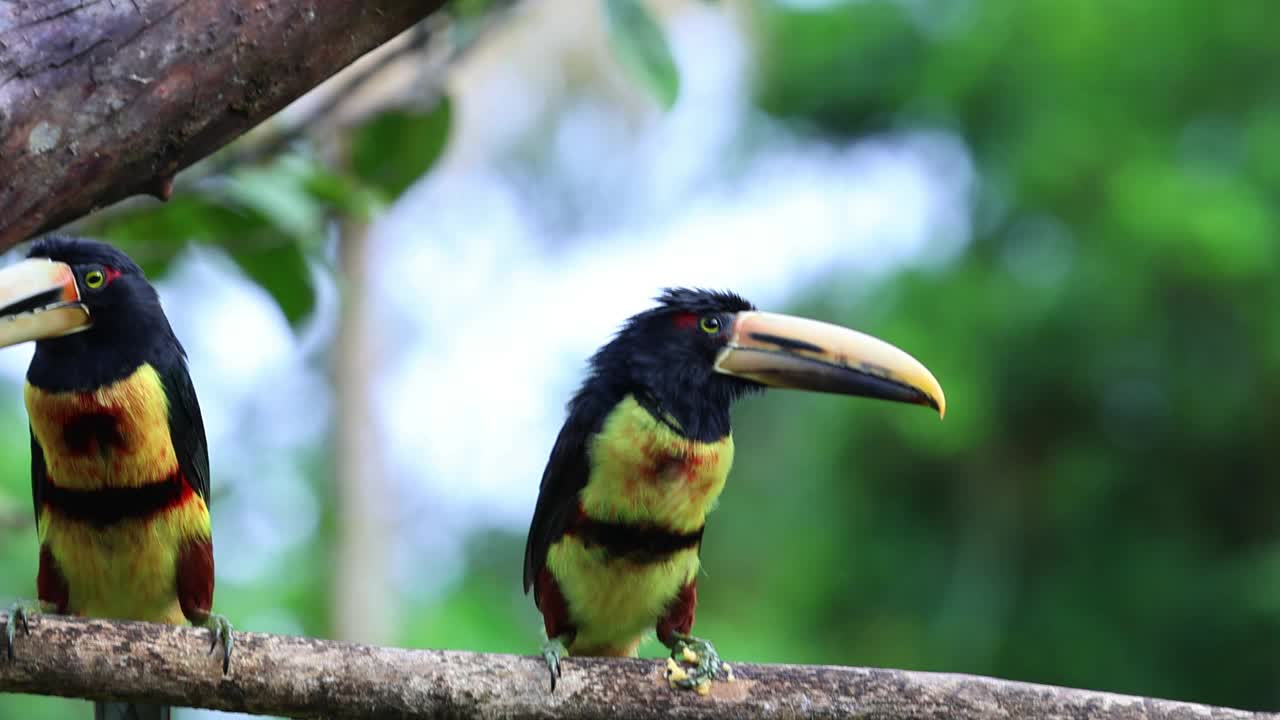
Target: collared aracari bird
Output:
{"points": [[119, 464], [613, 547]]}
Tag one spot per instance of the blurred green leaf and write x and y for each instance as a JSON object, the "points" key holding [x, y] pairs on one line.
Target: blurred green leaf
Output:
{"points": [[267, 218], [280, 195], [641, 47], [344, 194], [282, 271], [394, 149], [154, 235]]}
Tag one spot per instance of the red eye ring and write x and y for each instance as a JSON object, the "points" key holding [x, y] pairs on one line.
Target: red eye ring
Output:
{"points": [[686, 321]]}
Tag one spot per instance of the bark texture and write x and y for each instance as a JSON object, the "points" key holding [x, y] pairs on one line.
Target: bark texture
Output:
{"points": [[301, 677], [104, 99]]}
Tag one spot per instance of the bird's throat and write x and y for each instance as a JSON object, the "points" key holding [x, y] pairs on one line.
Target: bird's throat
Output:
{"points": [[644, 472], [111, 437]]}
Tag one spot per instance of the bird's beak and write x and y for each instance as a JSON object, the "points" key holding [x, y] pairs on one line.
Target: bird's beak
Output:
{"points": [[39, 299], [791, 352]]}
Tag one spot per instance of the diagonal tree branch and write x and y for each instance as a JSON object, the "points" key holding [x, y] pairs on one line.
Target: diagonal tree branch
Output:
{"points": [[301, 677], [103, 100]]}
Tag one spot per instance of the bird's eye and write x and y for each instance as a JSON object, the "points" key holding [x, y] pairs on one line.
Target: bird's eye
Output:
{"points": [[710, 324], [94, 279]]}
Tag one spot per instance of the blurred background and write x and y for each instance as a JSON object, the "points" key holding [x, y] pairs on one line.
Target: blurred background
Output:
{"points": [[1068, 211]]}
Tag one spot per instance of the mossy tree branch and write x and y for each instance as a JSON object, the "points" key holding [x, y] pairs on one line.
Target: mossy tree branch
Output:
{"points": [[101, 100], [301, 677]]}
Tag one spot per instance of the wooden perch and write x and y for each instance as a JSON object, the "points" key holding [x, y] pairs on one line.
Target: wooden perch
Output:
{"points": [[104, 99], [302, 677]]}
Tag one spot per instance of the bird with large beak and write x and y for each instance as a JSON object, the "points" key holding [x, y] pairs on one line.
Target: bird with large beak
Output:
{"points": [[613, 547], [119, 464]]}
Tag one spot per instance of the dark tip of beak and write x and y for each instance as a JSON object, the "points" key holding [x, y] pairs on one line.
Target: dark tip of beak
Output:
{"points": [[880, 388]]}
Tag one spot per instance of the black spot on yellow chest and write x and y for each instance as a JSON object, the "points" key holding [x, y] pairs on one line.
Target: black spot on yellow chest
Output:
{"points": [[92, 433], [663, 464]]}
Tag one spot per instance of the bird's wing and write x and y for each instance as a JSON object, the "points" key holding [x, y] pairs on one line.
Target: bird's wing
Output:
{"points": [[37, 473], [186, 427], [564, 477]]}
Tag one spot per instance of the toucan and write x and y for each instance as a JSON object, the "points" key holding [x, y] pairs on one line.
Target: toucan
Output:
{"points": [[613, 547], [119, 461]]}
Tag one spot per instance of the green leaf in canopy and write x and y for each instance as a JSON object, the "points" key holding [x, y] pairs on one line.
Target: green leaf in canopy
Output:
{"points": [[396, 148], [642, 49], [282, 271]]}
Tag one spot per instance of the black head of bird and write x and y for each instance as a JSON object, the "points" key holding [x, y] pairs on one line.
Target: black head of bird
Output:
{"points": [[690, 357], [666, 358], [89, 308]]}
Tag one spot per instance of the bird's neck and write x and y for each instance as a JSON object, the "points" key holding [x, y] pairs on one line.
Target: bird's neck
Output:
{"points": [[116, 435], [646, 473], [691, 413], [88, 360]]}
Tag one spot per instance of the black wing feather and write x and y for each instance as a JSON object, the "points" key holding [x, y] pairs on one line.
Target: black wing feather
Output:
{"points": [[37, 473], [186, 425], [565, 476]]}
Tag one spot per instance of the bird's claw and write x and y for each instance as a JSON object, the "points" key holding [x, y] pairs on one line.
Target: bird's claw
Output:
{"points": [[222, 633], [19, 617], [694, 664], [552, 653]]}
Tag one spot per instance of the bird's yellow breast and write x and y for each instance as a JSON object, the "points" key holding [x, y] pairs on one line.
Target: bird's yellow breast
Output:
{"points": [[128, 570], [642, 471], [613, 601], [114, 436]]}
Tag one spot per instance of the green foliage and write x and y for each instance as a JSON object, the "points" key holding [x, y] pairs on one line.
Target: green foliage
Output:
{"points": [[283, 270], [1097, 508], [272, 219], [418, 139], [641, 47], [267, 219]]}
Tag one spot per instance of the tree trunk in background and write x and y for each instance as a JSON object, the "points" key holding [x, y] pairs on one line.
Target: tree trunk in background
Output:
{"points": [[364, 603]]}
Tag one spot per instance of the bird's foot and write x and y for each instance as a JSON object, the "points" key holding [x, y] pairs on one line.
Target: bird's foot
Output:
{"points": [[223, 634], [554, 651], [694, 664], [19, 616]]}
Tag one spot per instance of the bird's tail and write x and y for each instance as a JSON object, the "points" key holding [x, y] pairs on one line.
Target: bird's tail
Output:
{"points": [[129, 711]]}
